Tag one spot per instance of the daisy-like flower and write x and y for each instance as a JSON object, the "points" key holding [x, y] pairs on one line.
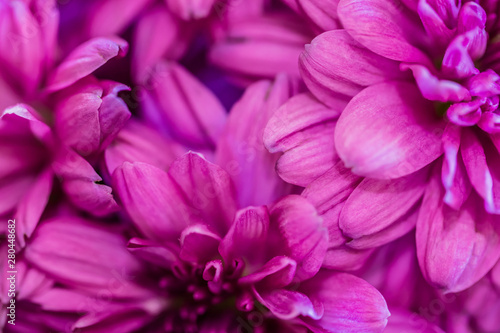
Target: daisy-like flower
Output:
{"points": [[416, 88]]}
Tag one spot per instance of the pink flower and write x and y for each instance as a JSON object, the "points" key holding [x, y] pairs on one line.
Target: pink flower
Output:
{"points": [[209, 251], [431, 131]]}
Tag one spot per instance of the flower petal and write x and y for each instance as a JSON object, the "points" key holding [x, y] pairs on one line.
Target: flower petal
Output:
{"points": [[241, 150], [455, 248], [302, 129], [388, 131], [198, 244], [305, 238], [351, 304], [84, 60]]}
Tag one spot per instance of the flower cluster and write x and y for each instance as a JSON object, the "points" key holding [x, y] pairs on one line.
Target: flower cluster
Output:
{"points": [[250, 166]]}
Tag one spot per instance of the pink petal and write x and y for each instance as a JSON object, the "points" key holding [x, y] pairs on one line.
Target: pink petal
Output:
{"points": [[455, 248], [376, 204], [241, 150], [408, 322], [482, 172], [122, 12], [32, 206], [261, 47], [322, 13], [351, 304], [276, 273], [303, 233], [288, 304], [247, 236], [303, 130], [335, 65], [198, 244], [81, 183], [388, 131], [190, 9], [139, 143], [184, 107], [386, 28], [209, 190], [151, 200], [344, 258], [85, 255], [328, 194], [453, 175], [160, 255], [158, 34], [84, 60], [434, 89]]}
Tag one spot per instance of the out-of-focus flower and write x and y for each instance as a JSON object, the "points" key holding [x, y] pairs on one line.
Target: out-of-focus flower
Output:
{"points": [[395, 126]]}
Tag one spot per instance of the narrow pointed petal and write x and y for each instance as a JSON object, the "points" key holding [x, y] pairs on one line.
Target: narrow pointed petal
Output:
{"points": [[241, 149], [84, 60], [156, 253], [455, 248], [302, 129], [351, 304], [304, 235], [388, 131], [32, 206], [322, 13]]}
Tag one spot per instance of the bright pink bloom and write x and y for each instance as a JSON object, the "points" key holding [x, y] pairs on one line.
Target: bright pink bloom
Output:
{"points": [[419, 81]]}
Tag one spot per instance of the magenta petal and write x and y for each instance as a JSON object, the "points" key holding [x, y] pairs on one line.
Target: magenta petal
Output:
{"points": [[276, 273], [388, 131], [122, 12], [151, 200], [32, 206], [82, 184], [63, 300], [455, 248], [198, 244], [126, 318], [208, 188], [288, 304], [351, 304], [434, 89], [335, 64], [376, 204], [434, 24], [302, 129], [183, 107], [483, 173], [85, 255], [323, 13], [303, 232], [453, 174], [408, 322], [247, 236], [386, 28], [139, 143], [84, 60], [191, 9], [158, 34], [241, 150], [158, 254], [328, 194]]}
